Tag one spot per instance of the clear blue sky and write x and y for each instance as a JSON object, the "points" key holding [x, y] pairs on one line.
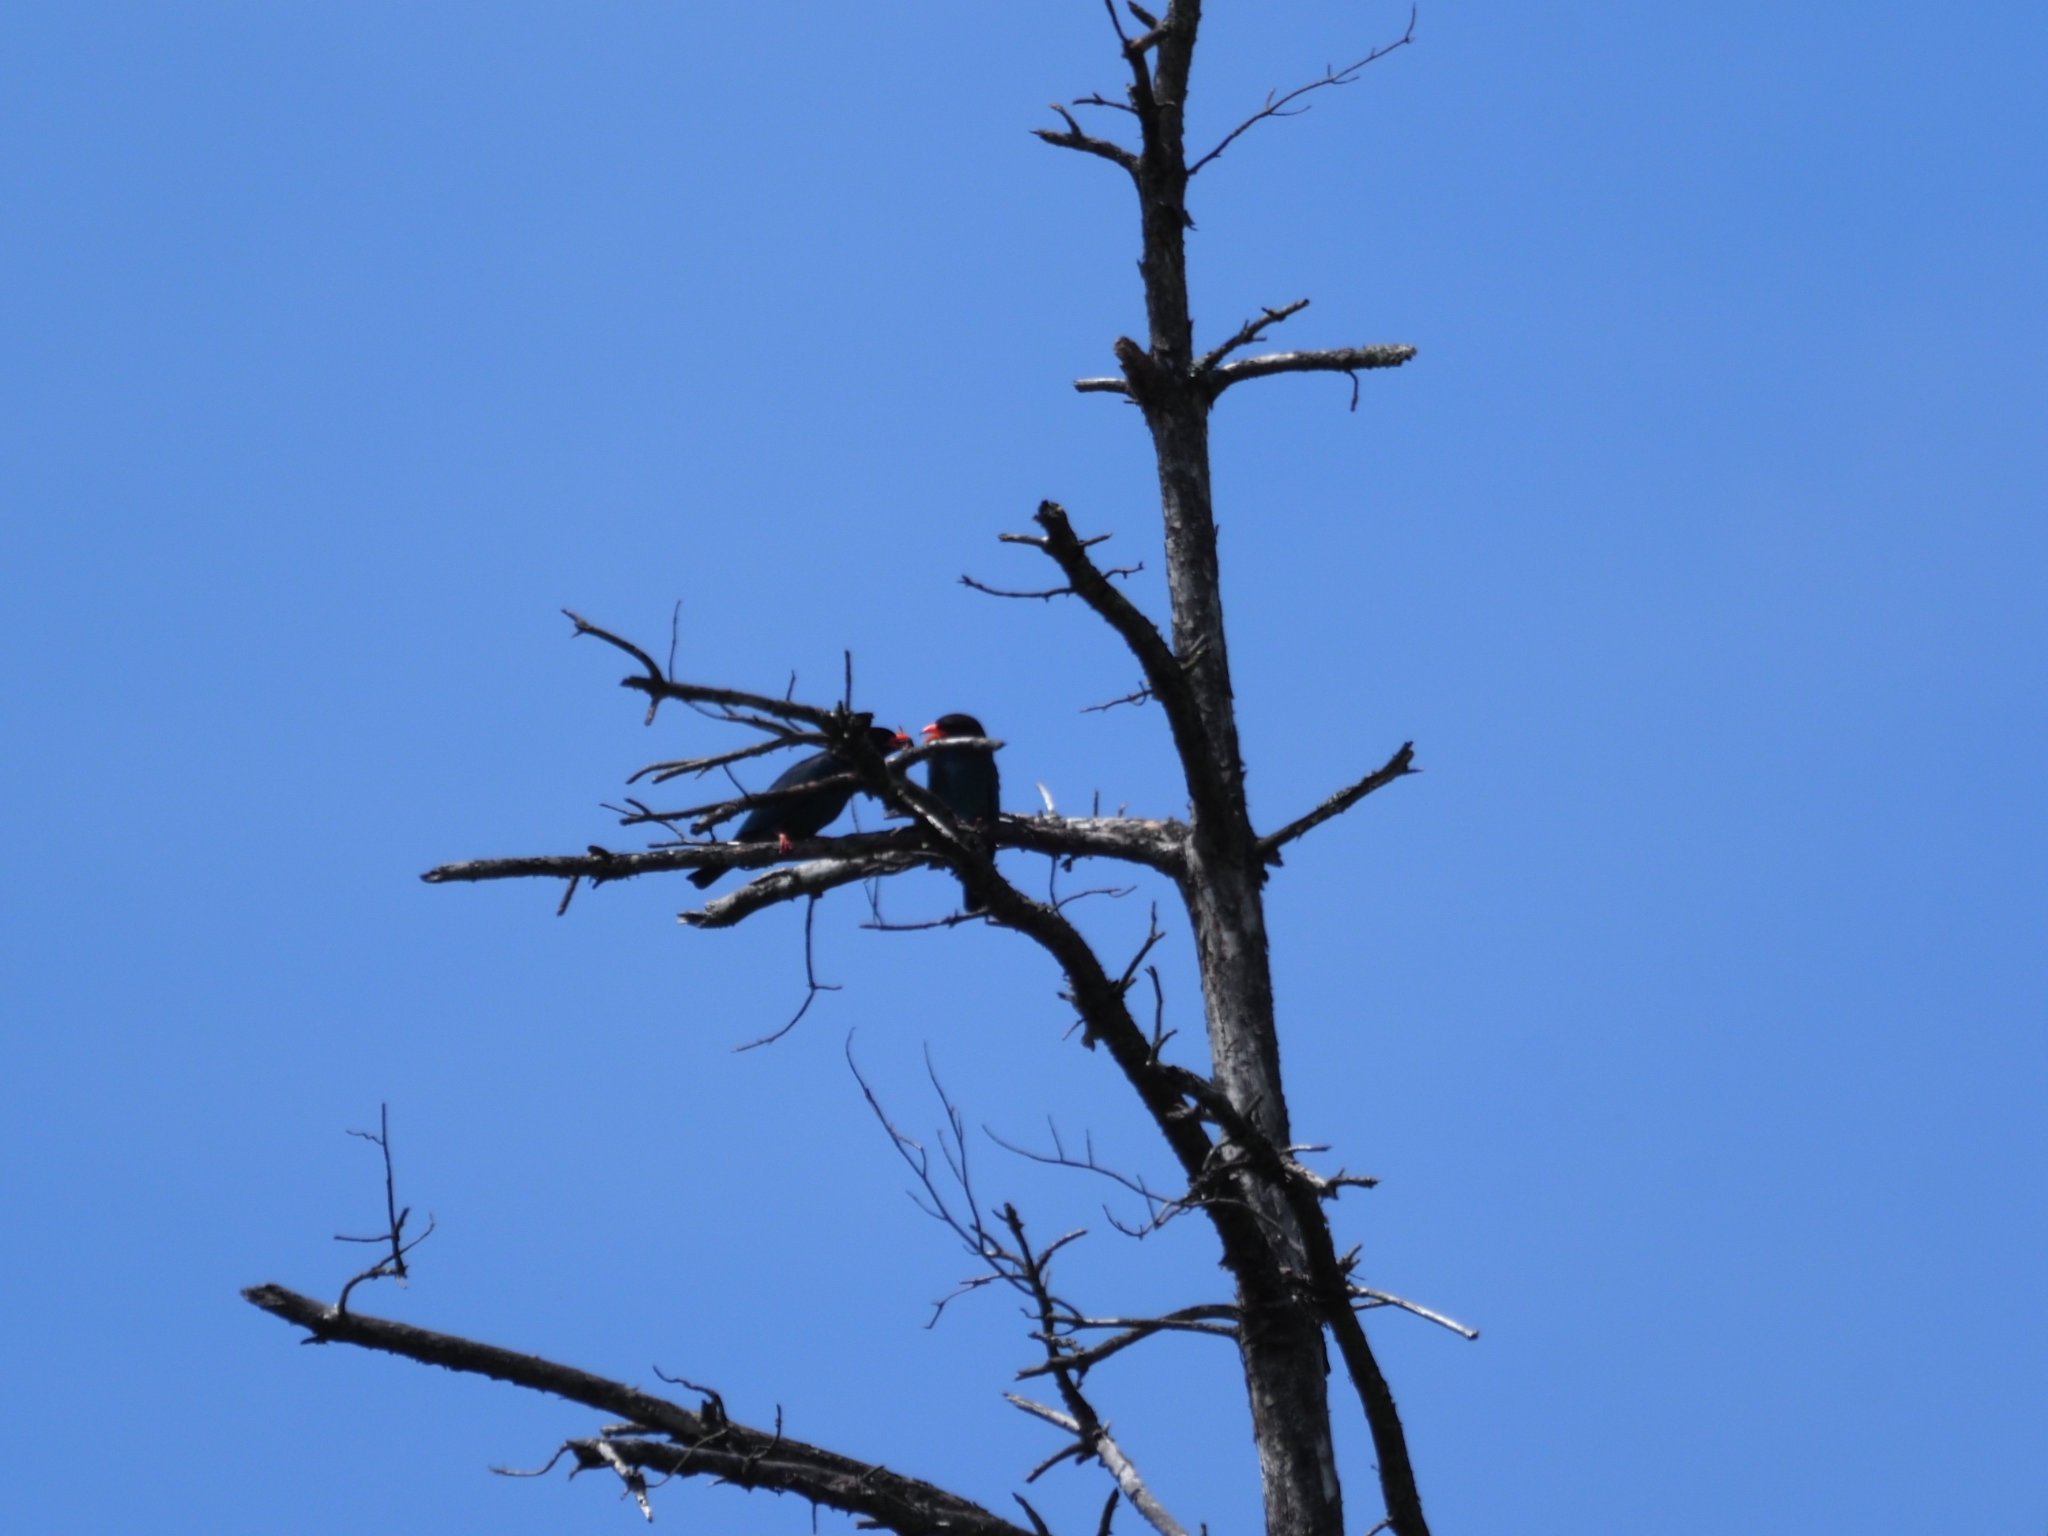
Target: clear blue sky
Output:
{"points": [[1691, 1005]]}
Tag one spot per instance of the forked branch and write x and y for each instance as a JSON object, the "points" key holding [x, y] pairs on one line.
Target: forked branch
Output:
{"points": [[1074, 136]]}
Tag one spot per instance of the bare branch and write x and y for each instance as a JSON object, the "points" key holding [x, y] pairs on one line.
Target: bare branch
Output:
{"points": [[1096, 100], [585, 627], [1368, 1297], [1139, 695], [812, 879], [1333, 360], [1111, 1456], [600, 865], [1397, 1473], [1248, 333], [1134, 1331], [811, 983], [1276, 106], [1154, 844], [1046, 594], [1037, 1524], [728, 1451], [663, 772], [1076, 137], [1156, 1204], [1162, 669], [634, 1479], [1395, 767], [392, 1265]]}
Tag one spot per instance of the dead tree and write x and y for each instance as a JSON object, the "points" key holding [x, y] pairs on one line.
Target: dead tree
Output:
{"points": [[1226, 1127]]}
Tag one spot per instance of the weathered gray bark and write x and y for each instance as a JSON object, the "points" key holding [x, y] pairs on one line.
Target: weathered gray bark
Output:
{"points": [[1291, 1289]]}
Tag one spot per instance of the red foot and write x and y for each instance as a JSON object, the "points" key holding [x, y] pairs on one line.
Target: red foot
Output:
{"points": [[782, 843]]}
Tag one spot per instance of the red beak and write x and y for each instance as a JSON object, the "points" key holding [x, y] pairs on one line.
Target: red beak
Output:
{"points": [[932, 732]]}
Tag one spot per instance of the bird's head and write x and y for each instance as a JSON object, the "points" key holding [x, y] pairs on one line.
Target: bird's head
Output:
{"points": [[887, 739], [952, 725]]}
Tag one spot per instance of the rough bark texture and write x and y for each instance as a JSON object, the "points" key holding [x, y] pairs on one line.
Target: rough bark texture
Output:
{"points": [[1281, 1337], [702, 1444]]}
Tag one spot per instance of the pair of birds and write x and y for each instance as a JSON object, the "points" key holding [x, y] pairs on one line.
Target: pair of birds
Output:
{"points": [[963, 779]]}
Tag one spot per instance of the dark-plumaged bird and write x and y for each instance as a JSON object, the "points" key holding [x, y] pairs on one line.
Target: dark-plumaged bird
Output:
{"points": [[783, 821], [966, 782]]}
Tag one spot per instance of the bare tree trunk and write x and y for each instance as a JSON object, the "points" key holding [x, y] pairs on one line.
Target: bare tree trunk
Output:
{"points": [[1283, 1298], [1281, 1337]]}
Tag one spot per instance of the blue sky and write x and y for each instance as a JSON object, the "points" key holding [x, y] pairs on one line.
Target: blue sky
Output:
{"points": [[1690, 1005]]}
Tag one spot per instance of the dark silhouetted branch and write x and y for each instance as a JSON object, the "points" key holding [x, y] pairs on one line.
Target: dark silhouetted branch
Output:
{"points": [[1398, 766], [1248, 333], [1164, 675], [601, 866], [695, 1447], [812, 985], [661, 773], [1277, 106], [392, 1265], [1073, 136], [1217, 1320]]}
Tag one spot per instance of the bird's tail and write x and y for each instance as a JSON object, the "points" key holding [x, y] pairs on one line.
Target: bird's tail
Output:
{"points": [[701, 878], [970, 903]]}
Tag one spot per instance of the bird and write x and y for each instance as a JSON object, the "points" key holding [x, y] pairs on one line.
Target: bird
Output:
{"points": [[965, 781], [803, 815]]}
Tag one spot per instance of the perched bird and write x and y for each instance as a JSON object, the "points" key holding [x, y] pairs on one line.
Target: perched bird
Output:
{"points": [[965, 781], [803, 815]]}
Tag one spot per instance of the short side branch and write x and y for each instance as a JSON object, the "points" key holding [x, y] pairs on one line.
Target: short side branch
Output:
{"points": [[1400, 765], [1107, 1451], [1074, 136], [1248, 333]]}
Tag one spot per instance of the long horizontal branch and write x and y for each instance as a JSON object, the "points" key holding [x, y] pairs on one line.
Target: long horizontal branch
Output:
{"points": [[600, 866], [1133, 840], [1202, 1319], [1400, 765], [706, 1446], [1327, 360], [1220, 376], [812, 879]]}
